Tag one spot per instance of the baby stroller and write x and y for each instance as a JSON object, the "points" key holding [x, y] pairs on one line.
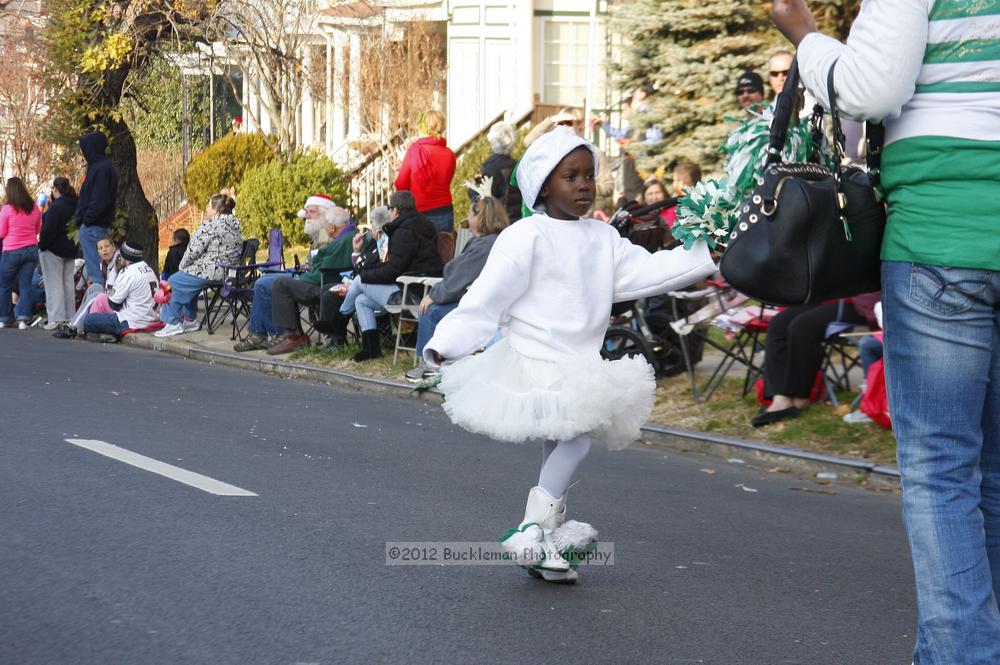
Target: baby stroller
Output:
{"points": [[643, 326]]}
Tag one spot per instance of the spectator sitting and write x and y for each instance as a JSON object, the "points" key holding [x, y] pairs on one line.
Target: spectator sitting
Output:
{"points": [[794, 352], [178, 245], [263, 333], [95, 298], [218, 240], [131, 300], [427, 170], [330, 321], [412, 250], [749, 91], [500, 166], [288, 292], [486, 220], [315, 223], [686, 175]]}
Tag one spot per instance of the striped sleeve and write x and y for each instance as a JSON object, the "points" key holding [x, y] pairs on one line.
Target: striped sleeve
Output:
{"points": [[879, 65]]}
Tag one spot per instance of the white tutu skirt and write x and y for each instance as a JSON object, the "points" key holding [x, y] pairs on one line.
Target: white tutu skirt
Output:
{"points": [[509, 397]]}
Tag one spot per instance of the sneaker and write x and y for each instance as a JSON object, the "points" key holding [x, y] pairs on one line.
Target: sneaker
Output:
{"points": [[418, 373], [65, 331], [22, 325], [52, 325], [4, 324], [169, 330], [191, 326], [857, 417]]}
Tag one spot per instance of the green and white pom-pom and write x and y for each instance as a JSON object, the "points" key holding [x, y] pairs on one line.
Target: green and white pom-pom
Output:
{"points": [[708, 211], [747, 148]]}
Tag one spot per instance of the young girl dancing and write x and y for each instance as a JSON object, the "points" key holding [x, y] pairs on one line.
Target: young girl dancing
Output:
{"points": [[548, 285]]}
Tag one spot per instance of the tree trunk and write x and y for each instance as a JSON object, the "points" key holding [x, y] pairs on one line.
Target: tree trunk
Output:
{"points": [[141, 223]]}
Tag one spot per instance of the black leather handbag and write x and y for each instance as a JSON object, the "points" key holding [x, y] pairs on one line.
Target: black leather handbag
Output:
{"points": [[807, 234]]}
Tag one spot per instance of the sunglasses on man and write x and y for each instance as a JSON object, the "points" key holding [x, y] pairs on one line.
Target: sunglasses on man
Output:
{"points": [[781, 72]]}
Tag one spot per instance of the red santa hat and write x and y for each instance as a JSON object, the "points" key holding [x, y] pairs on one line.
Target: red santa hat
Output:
{"points": [[321, 200]]}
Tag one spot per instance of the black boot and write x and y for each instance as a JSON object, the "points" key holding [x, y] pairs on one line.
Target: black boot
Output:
{"points": [[337, 329], [371, 346]]}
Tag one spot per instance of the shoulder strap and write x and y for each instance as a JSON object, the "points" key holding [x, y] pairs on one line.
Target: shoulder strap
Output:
{"points": [[784, 109]]}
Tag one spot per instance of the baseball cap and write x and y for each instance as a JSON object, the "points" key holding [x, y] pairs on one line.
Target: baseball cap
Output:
{"points": [[749, 81]]}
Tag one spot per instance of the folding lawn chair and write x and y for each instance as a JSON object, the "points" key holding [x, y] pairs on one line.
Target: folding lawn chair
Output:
{"points": [[414, 288], [232, 295], [744, 329], [840, 357]]}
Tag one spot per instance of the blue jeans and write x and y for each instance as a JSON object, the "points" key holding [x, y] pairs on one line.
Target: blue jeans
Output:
{"points": [[428, 324], [442, 218], [942, 361], [870, 352], [104, 323], [261, 323], [89, 235], [17, 266], [184, 290], [366, 299]]}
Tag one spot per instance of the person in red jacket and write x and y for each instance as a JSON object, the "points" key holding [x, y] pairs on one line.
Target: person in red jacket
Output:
{"points": [[427, 170]]}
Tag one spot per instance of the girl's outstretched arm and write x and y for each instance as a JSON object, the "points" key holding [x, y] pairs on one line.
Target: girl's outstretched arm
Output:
{"points": [[639, 274]]}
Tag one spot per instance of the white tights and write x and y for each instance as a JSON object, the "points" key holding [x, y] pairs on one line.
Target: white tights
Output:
{"points": [[559, 462]]}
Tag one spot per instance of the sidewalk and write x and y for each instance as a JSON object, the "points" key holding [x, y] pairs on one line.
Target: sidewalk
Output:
{"points": [[218, 348]]}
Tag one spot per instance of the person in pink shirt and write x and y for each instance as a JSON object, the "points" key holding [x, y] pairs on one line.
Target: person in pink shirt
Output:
{"points": [[20, 222]]}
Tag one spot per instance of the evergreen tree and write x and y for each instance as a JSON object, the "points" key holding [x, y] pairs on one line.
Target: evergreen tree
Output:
{"points": [[692, 52]]}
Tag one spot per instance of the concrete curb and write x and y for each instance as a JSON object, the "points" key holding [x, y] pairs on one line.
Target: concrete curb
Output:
{"points": [[678, 439]]}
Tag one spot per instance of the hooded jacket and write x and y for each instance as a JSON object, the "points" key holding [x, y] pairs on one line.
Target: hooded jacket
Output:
{"points": [[53, 237], [412, 250], [99, 194]]}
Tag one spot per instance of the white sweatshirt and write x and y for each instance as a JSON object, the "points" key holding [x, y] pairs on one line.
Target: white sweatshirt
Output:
{"points": [[550, 284]]}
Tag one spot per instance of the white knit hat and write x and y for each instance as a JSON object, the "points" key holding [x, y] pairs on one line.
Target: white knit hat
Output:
{"points": [[542, 157]]}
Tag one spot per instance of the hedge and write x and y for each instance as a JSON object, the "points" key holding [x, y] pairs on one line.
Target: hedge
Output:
{"points": [[223, 164], [271, 194]]}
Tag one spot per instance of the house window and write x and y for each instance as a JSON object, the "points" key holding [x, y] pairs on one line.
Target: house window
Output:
{"points": [[564, 60]]}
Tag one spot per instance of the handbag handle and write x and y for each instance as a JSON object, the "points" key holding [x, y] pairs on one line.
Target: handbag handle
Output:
{"points": [[874, 136]]}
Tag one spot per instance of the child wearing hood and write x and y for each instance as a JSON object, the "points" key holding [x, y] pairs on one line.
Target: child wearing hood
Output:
{"points": [[548, 285]]}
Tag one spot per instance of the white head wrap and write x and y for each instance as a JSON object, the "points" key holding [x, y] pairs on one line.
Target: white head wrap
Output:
{"points": [[542, 157]]}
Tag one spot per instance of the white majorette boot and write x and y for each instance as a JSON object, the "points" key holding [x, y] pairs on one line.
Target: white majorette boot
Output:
{"points": [[532, 544], [572, 539]]}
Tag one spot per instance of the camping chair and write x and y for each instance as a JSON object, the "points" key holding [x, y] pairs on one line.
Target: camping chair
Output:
{"points": [[233, 294], [275, 252], [744, 329], [840, 357], [414, 288]]}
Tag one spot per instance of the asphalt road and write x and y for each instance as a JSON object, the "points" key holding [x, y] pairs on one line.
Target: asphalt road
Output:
{"points": [[107, 563]]}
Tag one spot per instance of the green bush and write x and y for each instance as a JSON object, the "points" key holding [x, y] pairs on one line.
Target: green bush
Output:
{"points": [[272, 194], [223, 164]]}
